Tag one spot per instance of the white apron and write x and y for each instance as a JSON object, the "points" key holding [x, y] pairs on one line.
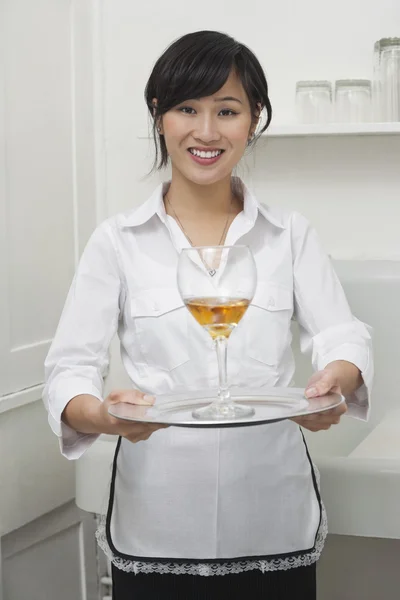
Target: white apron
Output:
{"points": [[212, 496]]}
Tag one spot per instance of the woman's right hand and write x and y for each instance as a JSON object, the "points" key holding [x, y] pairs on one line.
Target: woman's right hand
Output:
{"points": [[134, 432]]}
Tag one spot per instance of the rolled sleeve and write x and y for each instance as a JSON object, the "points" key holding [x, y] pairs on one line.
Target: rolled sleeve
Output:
{"points": [[351, 342], [327, 326], [78, 359], [67, 385]]}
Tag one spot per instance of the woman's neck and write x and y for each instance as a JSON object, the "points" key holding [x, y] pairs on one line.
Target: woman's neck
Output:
{"points": [[189, 198]]}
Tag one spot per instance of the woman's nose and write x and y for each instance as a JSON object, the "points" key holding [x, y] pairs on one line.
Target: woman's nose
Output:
{"points": [[206, 130]]}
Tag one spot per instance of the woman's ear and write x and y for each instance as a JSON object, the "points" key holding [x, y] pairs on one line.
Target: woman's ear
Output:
{"points": [[258, 111], [255, 120]]}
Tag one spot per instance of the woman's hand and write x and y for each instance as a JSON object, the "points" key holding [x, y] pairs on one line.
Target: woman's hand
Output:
{"points": [[321, 383], [134, 432]]}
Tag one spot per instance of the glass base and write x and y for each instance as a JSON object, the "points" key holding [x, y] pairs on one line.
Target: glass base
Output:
{"points": [[222, 411]]}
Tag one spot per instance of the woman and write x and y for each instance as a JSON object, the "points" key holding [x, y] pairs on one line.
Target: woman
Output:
{"points": [[187, 505]]}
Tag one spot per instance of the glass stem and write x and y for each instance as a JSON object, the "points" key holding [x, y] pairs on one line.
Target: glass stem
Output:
{"points": [[221, 346]]}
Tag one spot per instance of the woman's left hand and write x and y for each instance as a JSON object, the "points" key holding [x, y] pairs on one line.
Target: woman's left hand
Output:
{"points": [[319, 384]]}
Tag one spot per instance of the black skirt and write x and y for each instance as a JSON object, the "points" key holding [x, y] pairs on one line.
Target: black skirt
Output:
{"points": [[299, 583]]}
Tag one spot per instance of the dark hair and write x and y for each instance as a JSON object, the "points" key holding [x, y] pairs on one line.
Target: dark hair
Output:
{"points": [[197, 65]]}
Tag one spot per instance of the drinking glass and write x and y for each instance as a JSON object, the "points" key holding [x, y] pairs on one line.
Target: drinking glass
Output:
{"points": [[390, 78], [217, 284], [353, 101], [314, 101], [377, 84]]}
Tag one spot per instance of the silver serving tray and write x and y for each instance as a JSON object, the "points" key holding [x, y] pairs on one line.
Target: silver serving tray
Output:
{"points": [[271, 405]]}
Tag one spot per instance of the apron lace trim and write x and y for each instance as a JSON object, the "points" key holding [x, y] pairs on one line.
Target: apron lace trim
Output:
{"points": [[208, 569]]}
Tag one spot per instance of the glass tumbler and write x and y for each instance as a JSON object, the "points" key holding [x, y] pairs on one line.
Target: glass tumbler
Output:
{"points": [[390, 78], [353, 101], [314, 101], [377, 115]]}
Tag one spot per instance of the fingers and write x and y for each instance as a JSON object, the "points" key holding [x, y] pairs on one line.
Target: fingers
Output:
{"points": [[322, 383], [312, 425], [330, 415], [142, 433], [131, 397], [323, 420], [322, 387], [340, 410], [327, 415], [132, 431]]}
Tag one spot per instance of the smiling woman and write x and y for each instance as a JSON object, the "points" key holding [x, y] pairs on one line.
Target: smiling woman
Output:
{"points": [[208, 98], [211, 129], [190, 506], [213, 66]]}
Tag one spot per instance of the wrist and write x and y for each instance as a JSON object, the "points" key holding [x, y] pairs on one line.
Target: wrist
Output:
{"points": [[95, 415], [83, 413], [347, 375]]}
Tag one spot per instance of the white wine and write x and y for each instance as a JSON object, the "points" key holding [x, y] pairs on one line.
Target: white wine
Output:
{"points": [[218, 315]]}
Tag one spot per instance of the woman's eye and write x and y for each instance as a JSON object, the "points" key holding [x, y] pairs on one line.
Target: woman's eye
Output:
{"points": [[227, 112], [187, 110]]}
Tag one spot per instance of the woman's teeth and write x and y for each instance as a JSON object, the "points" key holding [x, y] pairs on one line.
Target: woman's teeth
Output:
{"points": [[203, 154]]}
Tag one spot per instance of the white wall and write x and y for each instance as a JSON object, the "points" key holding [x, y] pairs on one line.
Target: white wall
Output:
{"points": [[349, 188], [34, 477], [47, 200], [47, 211], [47, 204]]}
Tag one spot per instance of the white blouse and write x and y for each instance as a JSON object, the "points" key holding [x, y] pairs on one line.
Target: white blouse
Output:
{"points": [[208, 501]]}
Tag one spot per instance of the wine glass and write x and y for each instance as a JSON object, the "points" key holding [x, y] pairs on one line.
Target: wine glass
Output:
{"points": [[217, 284]]}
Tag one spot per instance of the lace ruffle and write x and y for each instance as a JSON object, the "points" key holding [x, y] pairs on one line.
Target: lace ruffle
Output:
{"points": [[207, 569]]}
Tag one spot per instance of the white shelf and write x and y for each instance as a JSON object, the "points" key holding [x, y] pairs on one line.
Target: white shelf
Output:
{"points": [[300, 130]]}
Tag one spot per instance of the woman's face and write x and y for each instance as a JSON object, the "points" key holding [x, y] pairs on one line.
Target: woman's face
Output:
{"points": [[207, 137]]}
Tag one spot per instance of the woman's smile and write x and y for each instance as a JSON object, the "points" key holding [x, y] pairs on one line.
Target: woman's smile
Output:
{"points": [[205, 156]]}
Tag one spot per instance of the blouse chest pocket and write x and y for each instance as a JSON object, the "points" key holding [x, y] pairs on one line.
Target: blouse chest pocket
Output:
{"points": [[160, 324], [268, 322]]}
